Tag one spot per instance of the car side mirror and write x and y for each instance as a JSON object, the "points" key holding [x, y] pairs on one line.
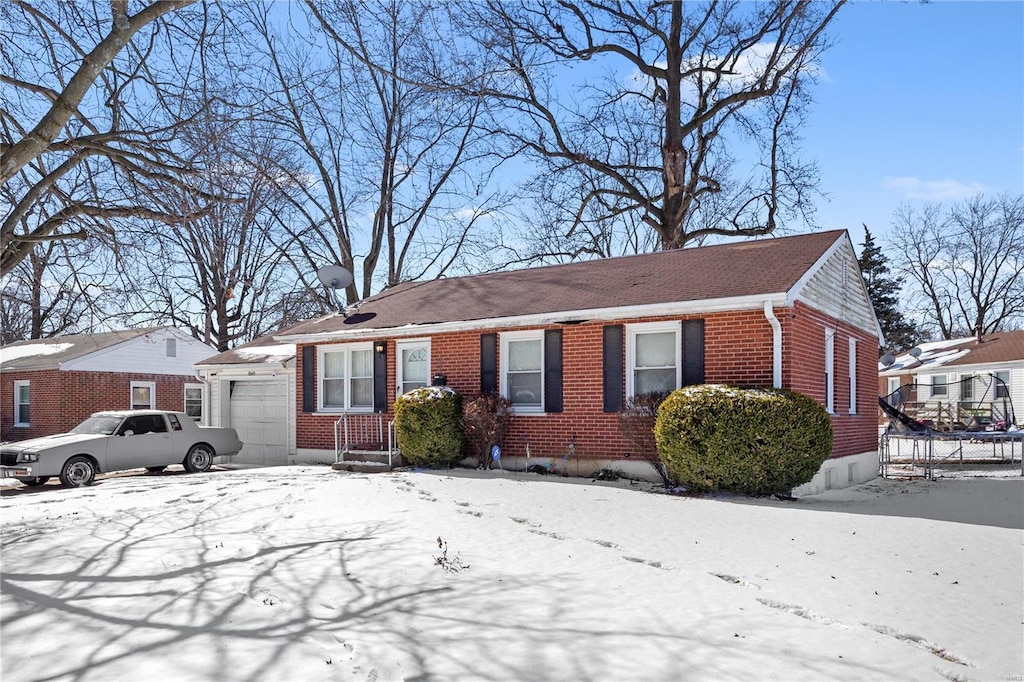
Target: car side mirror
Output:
{"points": [[128, 432]]}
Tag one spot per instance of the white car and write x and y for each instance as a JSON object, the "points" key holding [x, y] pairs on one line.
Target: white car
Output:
{"points": [[112, 441]]}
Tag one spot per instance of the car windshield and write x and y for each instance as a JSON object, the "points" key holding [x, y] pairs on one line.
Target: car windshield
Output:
{"points": [[104, 424]]}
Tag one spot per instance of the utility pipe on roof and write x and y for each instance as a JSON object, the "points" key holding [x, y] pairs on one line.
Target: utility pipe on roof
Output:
{"points": [[769, 313]]}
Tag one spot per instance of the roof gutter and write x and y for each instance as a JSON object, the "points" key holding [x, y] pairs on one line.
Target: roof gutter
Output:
{"points": [[776, 343], [752, 302]]}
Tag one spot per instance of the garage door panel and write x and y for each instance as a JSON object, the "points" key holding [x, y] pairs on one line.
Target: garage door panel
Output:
{"points": [[259, 413]]}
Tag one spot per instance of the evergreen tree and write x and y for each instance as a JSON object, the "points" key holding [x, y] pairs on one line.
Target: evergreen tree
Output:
{"points": [[884, 290]]}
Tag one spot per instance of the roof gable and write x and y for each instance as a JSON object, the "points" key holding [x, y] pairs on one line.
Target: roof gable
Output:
{"points": [[702, 275], [104, 351]]}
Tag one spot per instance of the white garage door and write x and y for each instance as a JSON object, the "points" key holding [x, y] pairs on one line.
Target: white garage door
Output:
{"points": [[259, 413]]}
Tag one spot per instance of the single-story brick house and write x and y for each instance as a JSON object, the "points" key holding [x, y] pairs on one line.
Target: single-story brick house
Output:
{"points": [[568, 344], [952, 380], [50, 385], [252, 389]]}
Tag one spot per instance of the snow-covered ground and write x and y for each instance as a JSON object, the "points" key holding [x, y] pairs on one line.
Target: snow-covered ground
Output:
{"points": [[301, 573]]}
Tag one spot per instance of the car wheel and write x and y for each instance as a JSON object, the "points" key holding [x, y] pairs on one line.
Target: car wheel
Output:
{"points": [[78, 472], [154, 470], [34, 481], [199, 458]]}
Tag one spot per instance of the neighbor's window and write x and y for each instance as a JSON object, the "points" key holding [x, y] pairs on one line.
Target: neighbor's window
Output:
{"points": [[895, 396], [939, 386], [522, 356], [346, 377], [143, 395], [171, 347], [194, 401], [413, 365], [21, 400], [967, 388], [653, 357], [1003, 383]]}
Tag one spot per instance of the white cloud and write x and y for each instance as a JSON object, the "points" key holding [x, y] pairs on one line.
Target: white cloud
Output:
{"points": [[933, 190]]}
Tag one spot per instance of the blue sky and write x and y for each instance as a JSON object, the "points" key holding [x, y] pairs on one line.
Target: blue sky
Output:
{"points": [[919, 102]]}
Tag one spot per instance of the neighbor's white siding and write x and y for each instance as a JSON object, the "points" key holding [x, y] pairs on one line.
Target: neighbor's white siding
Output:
{"points": [[146, 355], [838, 290]]}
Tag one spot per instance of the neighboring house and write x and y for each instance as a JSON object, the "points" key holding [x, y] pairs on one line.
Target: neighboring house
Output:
{"points": [[50, 385], [568, 344], [951, 381], [251, 388]]}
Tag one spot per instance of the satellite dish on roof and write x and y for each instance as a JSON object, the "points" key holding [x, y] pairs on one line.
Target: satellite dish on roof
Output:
{"points": [[915, 352], [335, 277], [888, 359]]}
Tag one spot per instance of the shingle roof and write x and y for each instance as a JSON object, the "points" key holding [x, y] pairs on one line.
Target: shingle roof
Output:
{"points": [[261, 350], [50, 353], [1000, 347], [763, 266], [994, 348]]}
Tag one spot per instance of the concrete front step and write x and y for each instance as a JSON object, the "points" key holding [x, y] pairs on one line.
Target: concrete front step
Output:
{"points": [[362, 467]]}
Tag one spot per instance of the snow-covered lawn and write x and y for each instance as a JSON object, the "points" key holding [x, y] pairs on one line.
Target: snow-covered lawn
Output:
{"points": [[301, 573]]}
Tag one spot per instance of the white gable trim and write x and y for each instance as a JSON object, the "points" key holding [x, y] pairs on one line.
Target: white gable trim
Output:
{"points": [[175, 366], [796, 293]]}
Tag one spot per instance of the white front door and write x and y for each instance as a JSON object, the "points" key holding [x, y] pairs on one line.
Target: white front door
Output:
{"points": [[412, 365]]}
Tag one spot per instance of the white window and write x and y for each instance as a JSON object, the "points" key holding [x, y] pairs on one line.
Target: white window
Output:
{"points": [[939, 386], [412, 366], [966, 387], [21, 401], [346, 377], [830, 370], [653, 357], [853, 376], [895, 398], [143, 395], [522, 381], [194, 401], [1002, 382], [171, 347]]}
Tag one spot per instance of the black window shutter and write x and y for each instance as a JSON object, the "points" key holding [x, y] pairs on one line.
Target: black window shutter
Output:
{"points": [[553, 370], [488, 363], [612, 362], [308, 379], [380, 380], [693, 352]]}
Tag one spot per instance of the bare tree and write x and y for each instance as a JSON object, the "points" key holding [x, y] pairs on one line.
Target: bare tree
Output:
{"points": [[397, 174], [61, 287], [685, 114], [79, 136], [219, 273], [966, 262]]}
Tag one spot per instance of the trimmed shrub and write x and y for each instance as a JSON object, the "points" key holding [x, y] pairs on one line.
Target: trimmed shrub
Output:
{"points": [[636, 423], [756, 441], [427, 426], [485, 421]]}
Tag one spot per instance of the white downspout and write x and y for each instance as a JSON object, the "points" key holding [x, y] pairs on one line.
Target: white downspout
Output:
{"points": [[776, 344]]}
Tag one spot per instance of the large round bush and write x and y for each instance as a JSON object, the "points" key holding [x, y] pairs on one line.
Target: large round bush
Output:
{"points": [[756, 441], [427, 426]]}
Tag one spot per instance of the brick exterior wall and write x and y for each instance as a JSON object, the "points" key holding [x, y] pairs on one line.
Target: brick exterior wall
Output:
{"points": [[738, 350], [60, 400]]}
